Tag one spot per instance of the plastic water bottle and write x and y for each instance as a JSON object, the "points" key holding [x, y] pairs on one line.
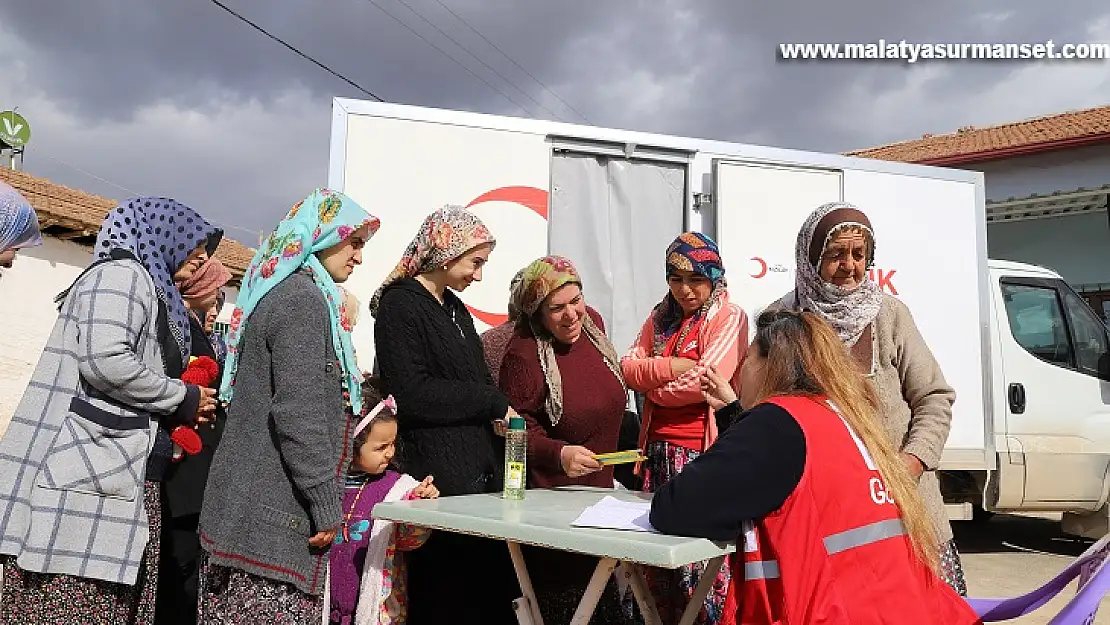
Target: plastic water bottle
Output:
{"points": [[516, 459]]}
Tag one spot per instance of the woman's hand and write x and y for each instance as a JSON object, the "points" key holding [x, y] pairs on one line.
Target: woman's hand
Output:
{"points": [[682, 365], [324, 538], [425, 489], [913, 464], [500, 426], [578, 461], [717, 391], [206, 409]]}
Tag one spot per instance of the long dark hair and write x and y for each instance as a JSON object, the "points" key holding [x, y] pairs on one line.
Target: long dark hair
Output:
{"points": [[804, 356]]}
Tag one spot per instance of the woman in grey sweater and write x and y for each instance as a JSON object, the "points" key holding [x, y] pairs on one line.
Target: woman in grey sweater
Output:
{"points": [[274, 495], [835, 248], [81, 462]]}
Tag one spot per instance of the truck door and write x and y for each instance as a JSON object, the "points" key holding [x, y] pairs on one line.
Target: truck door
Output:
{"points": [[1056, 372], [759, 210], [614, 217]]}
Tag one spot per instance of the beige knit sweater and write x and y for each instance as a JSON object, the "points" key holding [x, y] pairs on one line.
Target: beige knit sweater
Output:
{"points": [[915, 398]]}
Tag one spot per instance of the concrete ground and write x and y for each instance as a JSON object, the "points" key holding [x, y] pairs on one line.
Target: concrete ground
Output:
{"points": [[1010, 555]]}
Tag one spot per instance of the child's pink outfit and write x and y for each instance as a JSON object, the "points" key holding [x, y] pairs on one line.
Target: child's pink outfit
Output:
{"points": [[367, 565]]}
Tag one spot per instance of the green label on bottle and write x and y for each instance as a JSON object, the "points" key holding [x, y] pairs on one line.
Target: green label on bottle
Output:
{"points": [[515, 477]]}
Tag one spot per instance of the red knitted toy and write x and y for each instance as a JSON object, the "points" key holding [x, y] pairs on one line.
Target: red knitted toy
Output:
{"points": [[202, 371]]}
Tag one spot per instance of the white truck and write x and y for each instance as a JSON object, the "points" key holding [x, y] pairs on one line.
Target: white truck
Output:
{"points": [[1027, 357]]}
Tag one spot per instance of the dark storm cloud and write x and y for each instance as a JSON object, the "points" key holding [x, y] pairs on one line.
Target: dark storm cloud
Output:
{"points": [[181, 98]]}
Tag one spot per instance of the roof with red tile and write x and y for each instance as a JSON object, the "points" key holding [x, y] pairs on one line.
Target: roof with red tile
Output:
{"points": [[970, 144], [80, 212]]}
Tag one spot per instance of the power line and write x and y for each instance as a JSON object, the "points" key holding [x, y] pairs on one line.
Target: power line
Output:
{"points": [[131, 192], [448, 55], [295, 50], [476, 58], [513, 61], [91, 175]]}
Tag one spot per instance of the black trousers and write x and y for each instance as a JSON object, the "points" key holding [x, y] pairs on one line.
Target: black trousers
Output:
{"points": [[178, 571], [461, 579]]}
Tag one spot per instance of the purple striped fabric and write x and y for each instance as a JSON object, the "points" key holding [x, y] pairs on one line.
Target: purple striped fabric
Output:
{"points": [[1094, 582]]}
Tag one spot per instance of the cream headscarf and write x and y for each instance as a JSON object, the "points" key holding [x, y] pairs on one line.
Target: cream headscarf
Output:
{"points": [[848, 312]]}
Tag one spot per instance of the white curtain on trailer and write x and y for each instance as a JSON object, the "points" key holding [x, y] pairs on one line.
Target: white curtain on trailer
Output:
{"points": [[614, 218]]}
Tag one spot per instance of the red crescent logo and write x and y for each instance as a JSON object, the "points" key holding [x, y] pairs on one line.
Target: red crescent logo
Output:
{"points": [[762, 267], [531, 198]]}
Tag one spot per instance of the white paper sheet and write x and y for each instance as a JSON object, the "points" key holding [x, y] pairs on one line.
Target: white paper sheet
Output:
{"points": [[612, 513]]}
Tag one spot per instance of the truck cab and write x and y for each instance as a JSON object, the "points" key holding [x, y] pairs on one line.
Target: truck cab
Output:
{"points": [[1050, 366]]}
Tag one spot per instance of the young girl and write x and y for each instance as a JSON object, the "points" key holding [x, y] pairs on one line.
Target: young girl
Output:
{"points": [[367, 563]]}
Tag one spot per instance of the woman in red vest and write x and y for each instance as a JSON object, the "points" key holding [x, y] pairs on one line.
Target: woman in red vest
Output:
{"points": [[833, 530]]}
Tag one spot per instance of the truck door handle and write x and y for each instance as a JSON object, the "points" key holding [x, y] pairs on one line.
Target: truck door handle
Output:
{"points": [[1016, 395]]}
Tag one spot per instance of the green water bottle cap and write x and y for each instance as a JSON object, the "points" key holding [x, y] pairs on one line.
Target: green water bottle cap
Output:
{"points": [[516, 423]]}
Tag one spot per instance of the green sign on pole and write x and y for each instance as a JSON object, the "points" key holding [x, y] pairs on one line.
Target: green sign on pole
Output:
{"points": [[14, 130]]}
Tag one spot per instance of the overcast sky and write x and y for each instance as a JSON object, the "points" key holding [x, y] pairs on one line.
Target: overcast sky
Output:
{"points": [[179, 98]]}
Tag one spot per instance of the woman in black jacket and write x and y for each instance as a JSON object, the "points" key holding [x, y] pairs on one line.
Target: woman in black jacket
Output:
{"points": [[183, 486], [450, 412]]}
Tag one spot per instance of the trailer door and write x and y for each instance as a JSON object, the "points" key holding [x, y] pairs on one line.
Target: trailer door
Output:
{"points": [[760, 208], [614, 218]]}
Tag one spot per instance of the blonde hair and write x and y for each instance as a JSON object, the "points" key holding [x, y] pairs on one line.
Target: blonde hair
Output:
{"points": [[804, 356]]}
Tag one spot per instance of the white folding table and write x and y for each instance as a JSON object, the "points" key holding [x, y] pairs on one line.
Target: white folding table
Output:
{"points": [[543, 519]]}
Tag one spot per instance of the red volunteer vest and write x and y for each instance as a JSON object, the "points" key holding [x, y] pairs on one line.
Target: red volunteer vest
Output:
{"points": [[836, 552]]}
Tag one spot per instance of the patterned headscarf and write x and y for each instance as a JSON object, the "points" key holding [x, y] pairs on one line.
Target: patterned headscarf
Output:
{"points": [[848, 312], [696, 252], [541, 278], [320, 221], [160, 233], [514, 309], [19, 227], [446, 234]]}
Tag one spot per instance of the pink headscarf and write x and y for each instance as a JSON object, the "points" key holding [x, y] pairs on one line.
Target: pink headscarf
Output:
{"points": [[211, 276]]}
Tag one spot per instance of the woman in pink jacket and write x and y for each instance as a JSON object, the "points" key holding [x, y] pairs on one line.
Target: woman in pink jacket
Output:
{"points": [[693, 329]]}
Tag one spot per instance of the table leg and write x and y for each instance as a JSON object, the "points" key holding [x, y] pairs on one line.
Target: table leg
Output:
{"points": [[531, 606], [701, 591], [594, 591], [634, 574]]}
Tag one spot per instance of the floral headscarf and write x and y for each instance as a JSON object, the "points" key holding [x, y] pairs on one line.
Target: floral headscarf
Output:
{"points": [[690, 251], [349, 310], [160, 233], [541, 278], [446, 234], [848, 312], [322, 220], [19, 227], [514, 310]]}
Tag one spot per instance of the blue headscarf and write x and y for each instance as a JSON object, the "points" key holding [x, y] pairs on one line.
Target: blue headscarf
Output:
{"points": [[698, 253], [19, 228], [322, 220], [160, 233]]}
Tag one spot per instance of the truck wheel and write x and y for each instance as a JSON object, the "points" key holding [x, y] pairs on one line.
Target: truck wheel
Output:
{"points": [[979, 515]]}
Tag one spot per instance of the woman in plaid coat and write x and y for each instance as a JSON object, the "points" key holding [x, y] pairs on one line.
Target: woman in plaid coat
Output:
{"points": [[81, 461]]}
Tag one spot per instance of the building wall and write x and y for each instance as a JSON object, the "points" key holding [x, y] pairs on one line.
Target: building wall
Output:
{"points": [[1044, 173], [1078, 247], [28, 312]]}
